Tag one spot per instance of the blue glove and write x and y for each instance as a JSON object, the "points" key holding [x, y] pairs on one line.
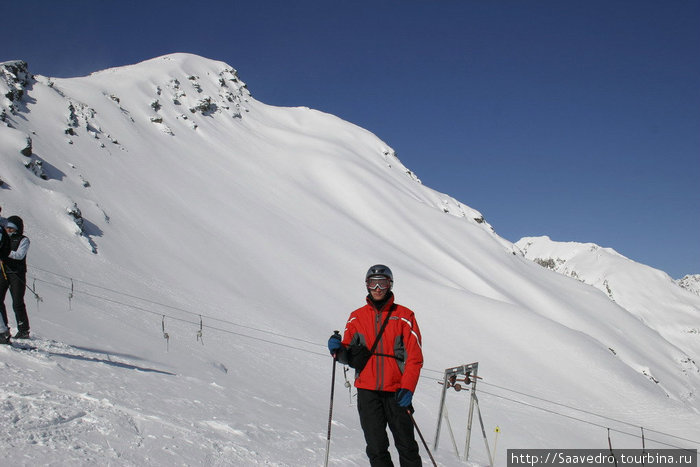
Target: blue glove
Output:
{"points": [[404, 397], [334, 343]]}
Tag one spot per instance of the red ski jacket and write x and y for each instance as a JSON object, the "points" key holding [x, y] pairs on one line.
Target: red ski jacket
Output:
{"points": [[398, 357]]}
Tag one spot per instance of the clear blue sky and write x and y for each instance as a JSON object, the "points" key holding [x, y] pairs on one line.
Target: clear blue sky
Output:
{"points": [[576, 119]]}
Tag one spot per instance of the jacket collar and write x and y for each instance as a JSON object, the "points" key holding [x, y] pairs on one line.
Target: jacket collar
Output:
{"points": [[385, 305]]}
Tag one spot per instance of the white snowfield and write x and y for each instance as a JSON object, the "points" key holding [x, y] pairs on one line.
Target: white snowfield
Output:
{"points": [[163, 200]]}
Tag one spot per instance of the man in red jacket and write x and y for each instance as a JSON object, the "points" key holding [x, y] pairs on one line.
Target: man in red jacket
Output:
{"points": [[383, 343]]}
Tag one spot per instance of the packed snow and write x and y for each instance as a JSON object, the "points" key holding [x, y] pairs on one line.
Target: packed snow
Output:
{"points": [[194, 248]]}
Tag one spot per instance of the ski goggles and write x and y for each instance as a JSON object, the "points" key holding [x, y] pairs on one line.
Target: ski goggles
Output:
{"points": [[380, 282]]}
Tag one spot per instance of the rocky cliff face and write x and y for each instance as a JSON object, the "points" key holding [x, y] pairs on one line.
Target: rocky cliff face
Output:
{"points": [[14, 79]]}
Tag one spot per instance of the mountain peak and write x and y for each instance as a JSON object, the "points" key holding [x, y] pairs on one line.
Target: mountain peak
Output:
{"points": [[178, 64]]}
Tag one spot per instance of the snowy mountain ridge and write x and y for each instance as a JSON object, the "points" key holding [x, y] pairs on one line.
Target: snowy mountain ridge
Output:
{"points": [[170, 99], [690, 282], [636, 287], [193, 249]]}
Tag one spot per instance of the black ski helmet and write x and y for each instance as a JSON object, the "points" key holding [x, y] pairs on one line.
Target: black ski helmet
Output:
{"points": [[380, 270]]}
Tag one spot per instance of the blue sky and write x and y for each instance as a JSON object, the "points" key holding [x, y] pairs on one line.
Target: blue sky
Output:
{"points": [[575, 119]]}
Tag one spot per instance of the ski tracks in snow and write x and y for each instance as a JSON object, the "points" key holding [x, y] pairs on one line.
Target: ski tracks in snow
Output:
{"points": [[48, 414], [38, 418], [68, 405]]}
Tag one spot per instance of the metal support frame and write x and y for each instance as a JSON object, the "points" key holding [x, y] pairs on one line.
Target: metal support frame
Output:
{"points": [[470, 376]]}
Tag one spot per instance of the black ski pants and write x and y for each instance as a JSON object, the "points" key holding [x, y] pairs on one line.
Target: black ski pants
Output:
{"points": [[16, 283], [378, 409]]}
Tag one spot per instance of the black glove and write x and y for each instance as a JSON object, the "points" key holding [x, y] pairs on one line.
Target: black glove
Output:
{"points": [[334, 343]]}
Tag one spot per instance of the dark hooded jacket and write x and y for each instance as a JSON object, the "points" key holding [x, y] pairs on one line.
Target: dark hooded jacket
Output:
{"points": [[18, 266]]}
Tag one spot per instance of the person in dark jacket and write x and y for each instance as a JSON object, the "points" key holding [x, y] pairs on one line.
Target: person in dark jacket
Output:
{"points": [[4, 240], [14, 276], [382, 343], [4, 251]]}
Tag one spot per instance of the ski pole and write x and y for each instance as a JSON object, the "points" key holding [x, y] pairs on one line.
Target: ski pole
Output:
{"points": [[408, 411], [36, 295], [330, 410], [4, 274]]}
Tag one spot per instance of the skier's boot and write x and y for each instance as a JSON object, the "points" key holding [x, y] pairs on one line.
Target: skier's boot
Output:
{"points": [[5, 338]]}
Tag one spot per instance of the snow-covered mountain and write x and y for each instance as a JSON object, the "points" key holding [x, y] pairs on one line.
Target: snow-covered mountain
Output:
{"points": [[690, 282], [649, 294], [193, 249]]}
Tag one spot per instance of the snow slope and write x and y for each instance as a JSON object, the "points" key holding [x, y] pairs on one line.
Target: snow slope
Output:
{"points": [[649, 294], [169, 201]]}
